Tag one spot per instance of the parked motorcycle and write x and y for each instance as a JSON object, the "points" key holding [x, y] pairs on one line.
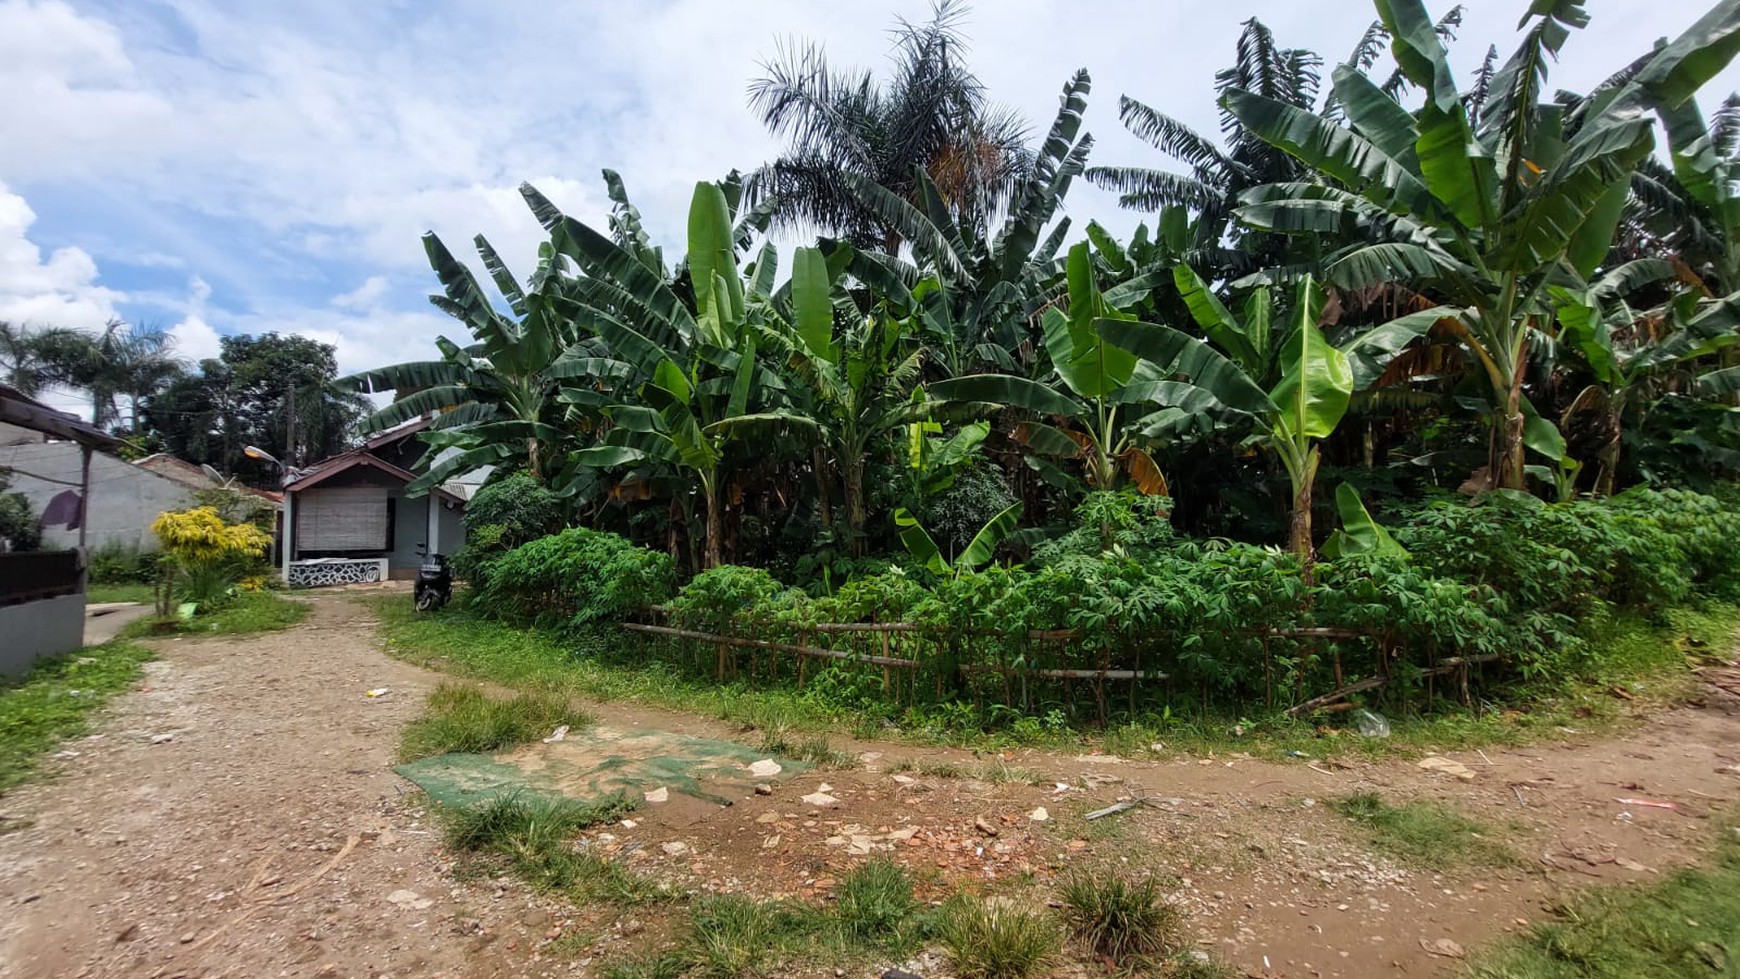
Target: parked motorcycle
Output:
{"points": [[434, 580]]}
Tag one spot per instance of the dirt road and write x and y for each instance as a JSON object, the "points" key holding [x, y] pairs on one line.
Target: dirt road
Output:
{"points": [[236, 815]]}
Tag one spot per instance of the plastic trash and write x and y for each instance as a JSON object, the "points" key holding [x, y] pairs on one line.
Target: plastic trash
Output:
{"points": [[1371, 724]]}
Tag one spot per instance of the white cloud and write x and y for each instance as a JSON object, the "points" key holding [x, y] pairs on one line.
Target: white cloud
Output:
{"points": [[60, 290], [195, 340], [363, 296], [262, 145]]}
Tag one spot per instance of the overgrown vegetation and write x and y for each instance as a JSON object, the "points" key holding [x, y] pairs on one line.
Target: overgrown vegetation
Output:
{"points": [[997, 939], [55, 700], [464, 718], [529, 835], [1122, 920], [1431, 834], [1686, 925], [243, 613]]}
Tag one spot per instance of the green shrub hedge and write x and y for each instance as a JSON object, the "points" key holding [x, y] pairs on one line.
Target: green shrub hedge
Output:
{"points": [[1505, 578]]}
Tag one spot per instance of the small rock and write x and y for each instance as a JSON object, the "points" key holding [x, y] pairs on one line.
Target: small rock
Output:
{"points": [[633, 927], [162, 738], [674, 849], [1444, 947], [766, 768], [1039, 815], [820, 799], [187, 938], [327, 971], [762, 788], [660, 794], [128, 933], [984, 827], [904, 780], [1449, 766], [29, 898], [628, 824]]}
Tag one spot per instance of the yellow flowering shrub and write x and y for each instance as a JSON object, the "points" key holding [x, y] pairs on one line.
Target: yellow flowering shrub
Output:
{"points": [[201, 537]]}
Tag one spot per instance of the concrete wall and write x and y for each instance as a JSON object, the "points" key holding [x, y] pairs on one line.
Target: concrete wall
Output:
{"points": [[411, 527], [33, 630], [124, 498]]}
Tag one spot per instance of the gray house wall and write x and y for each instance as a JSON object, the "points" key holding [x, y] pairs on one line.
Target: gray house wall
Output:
{"points": [[124, 498], [411, 528]]}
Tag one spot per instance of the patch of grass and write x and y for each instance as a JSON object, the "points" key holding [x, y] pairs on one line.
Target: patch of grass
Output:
{"points": [[248, 612], [1649, 659], [1120, 919], [660, 966], [985, 940], [100, 594], [529, 836], [733, 936], [874, 905], [1426, 833], [55, 700], [464, 718], [998, 772], [813, 748], [1687, 925]]}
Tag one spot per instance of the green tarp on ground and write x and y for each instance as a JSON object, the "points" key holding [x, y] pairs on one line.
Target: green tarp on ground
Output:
{"points": [[598, 762]]}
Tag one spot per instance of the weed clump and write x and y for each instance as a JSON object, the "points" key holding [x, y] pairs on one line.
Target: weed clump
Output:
{"points": [[465, 719], [1122, 920]]}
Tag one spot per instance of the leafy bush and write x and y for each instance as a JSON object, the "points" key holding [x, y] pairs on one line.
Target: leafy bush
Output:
{"points": [[575, 578], [519, 504], [19, 530], [725, 597], [504, 514], [116, 563], [207, 557]]}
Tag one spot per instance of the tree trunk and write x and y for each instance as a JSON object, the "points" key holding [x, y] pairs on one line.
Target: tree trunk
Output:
{"points": [[855, 505], [715, 521], [533, 464], [1507, 463], [1608, 474], [824, 507], [1299, 528]]}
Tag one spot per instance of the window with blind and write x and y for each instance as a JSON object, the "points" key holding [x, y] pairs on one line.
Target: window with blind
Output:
{"points": [[343, 518]]}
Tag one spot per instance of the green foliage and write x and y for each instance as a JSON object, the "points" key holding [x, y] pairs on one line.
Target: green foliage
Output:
{"points": [[244, 613], [118, 563], [575, 578], [523, 507], [19, 530], [54, 701], [531, 837], [1124, 921], [464, 718], [726, 598], [1688, 924], [1427, 833], [874, 902], [997, 940]]}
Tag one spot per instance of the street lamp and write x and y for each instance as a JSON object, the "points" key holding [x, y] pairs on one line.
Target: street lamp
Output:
{"points": [[255, 452]]}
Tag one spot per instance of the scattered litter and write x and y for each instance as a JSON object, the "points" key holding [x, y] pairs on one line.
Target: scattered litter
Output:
{"points": [[1157, 747], [1449, 766], [1039, 815], [628, 824], [559, 734], [1444, 947], [1298, 754], [162, 738], [1650, 803], [1111, 810], [1061, 789], [1483, 757], [1728, 770], [376, 693], [984, 827], [660, 794], [770, 842], [820, 799], [1371, 723], [1633, 865], [766, 768]]}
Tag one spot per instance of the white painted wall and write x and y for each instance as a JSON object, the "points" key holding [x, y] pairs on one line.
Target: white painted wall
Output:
{"points": [[124, 498], [36, 629]]}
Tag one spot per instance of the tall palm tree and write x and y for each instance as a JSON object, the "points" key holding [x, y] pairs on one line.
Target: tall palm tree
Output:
{"points": [[932, 114], [32, 360], [1216, 176]]}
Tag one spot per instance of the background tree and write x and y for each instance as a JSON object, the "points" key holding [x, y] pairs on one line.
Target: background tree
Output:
{"points": [[931, 116]]}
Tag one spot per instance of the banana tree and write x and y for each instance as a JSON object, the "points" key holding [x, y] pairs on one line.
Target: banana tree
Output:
{"points": [[495, 398], [1290, 419], [1484, 199], [978, 552], [1635, 355], [855, 385], [975, 293], [1094, 402], [694, 378]]}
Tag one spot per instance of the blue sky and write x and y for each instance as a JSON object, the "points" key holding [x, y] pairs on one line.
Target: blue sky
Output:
{"points": [[218, 168]]}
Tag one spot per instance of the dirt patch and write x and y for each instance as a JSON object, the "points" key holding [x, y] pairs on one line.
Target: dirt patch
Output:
{"points": [[267, 835]]}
